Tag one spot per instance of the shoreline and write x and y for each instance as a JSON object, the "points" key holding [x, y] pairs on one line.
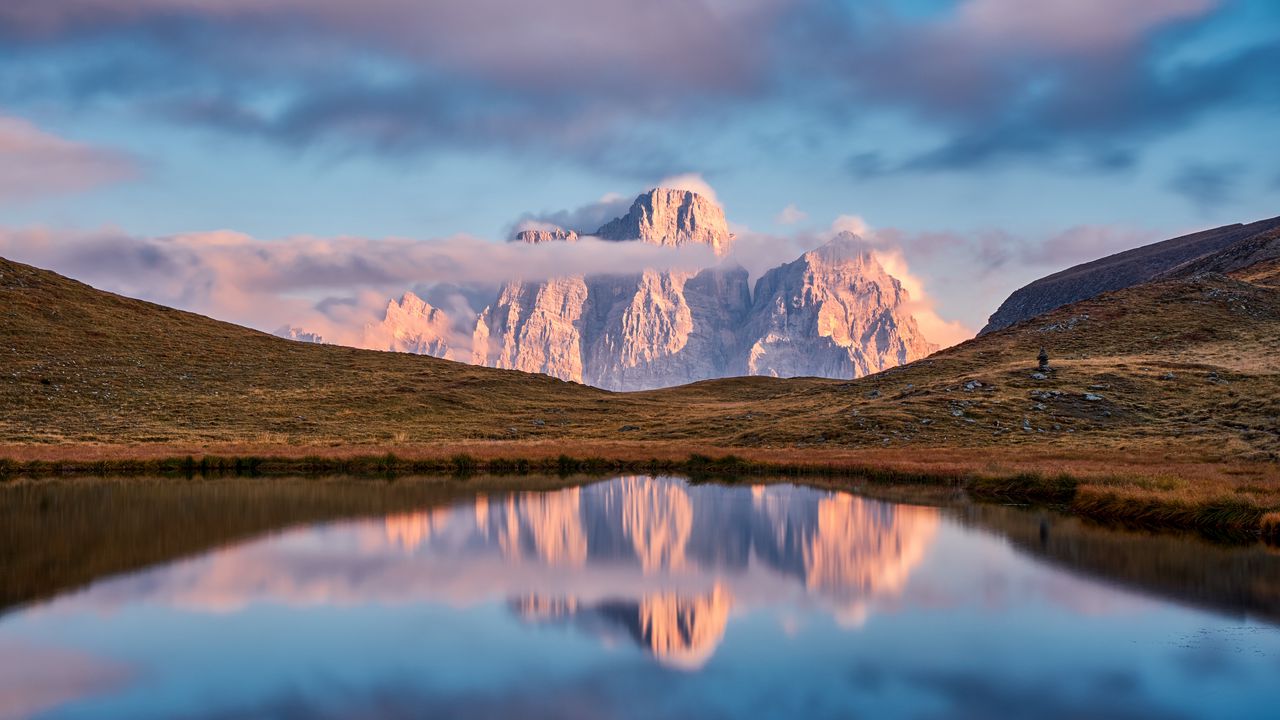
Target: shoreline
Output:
{"points": [[1158, 490]]}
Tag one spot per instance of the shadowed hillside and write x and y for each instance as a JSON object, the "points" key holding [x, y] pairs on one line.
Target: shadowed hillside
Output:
{"points": [[1122, 270]]}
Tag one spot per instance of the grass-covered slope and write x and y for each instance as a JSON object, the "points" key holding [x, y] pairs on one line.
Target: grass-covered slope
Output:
{"points": [[1160, 395], [1189, 359]]}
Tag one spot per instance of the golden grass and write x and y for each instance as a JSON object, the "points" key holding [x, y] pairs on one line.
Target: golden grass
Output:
{"points": [[1187, 373]]}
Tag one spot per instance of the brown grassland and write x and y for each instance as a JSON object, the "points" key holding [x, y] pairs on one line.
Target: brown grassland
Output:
{"points": [[1162, 405]]}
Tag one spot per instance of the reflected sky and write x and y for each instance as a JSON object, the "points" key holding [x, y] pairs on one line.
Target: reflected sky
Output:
{"points": [[634, 597]]}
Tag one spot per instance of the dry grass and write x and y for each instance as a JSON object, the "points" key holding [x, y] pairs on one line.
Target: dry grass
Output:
{"points": [[1186, 370]]}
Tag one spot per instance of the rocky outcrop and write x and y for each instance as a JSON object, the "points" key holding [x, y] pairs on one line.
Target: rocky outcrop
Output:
{"points": [[289, 332], [410, 325], [1119, 271], [834, 312], [537, 237]]}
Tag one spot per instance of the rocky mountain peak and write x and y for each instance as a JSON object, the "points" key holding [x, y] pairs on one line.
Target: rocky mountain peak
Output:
{"points": [[844, 247], [665, 216], [411, 324], [539, 236]]}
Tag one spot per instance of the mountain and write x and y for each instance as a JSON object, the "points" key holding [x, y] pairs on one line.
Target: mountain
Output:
{"points": [[537, 237], [410, 325], [834, 312], [842, 314], [1119, 271], [672, 218], [629, 331], [289, 332]]}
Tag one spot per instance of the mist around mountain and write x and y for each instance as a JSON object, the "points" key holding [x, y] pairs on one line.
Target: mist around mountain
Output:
{"points": [[834, 312]]}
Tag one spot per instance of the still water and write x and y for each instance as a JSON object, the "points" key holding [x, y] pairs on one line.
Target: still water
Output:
{"points": [[633, 597]]}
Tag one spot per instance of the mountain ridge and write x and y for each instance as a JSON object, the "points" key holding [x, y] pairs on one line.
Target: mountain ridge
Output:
{"points": [[1118, 271], [646, 329]]}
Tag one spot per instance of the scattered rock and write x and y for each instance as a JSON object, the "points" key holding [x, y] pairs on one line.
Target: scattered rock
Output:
{"points": [[972, 385], [957, 412], [1167, 376], [539, 423], [1026, 424], [1091, 397], [628, 428], [873, 394], [1039, 376], [1065, 325]]}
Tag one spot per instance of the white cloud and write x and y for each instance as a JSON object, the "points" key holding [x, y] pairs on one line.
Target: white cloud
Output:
{"points": [[790, 215], [331, 286], [34, 163], [690, 181]]}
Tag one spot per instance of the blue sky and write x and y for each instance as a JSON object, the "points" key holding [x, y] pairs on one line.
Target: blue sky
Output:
{"points": [[997, 139]]}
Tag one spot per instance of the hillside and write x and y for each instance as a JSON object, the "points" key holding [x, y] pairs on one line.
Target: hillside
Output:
{"points": [[1119, 271], [85, 366]]}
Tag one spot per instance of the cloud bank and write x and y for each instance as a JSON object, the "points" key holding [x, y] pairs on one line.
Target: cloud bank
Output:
{"points": [[34, 163], [1085, 82], [332, 286]]}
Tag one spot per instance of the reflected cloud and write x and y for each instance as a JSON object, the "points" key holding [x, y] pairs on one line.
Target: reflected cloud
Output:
{"points": [[47, 677]]}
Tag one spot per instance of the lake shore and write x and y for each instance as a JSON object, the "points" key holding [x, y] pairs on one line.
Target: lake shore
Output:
{"points": [[1174, 486]]}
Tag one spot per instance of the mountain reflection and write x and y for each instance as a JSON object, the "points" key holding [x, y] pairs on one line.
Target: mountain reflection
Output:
{"points": [[674, 553], [681, 631]]}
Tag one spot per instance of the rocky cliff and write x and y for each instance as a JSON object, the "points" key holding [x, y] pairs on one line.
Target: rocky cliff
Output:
{"points": [[834, 312], [1119, 271], [410, 325]]}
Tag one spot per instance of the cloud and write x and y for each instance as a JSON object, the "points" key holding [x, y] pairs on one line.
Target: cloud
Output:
{"points": [[331, 286], [584, 219], [1208, 185], [34, 163], [693, 182], [1083, 83], [566, 78], [922, 306], [790, 215], [1072, 26], [634, 87]]}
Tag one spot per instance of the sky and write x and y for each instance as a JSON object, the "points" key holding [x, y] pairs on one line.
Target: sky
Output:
{"points": [[282, 161]]}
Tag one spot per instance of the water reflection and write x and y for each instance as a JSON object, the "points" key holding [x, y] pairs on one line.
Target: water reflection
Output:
{"points": [[634, 597]]}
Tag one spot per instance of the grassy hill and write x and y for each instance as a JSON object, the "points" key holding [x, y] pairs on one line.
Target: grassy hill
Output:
{"points": [[1157, 383]]}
